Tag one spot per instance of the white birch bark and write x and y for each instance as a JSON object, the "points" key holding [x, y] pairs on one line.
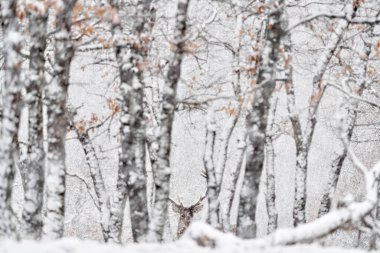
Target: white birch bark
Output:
{"points": [[303, 144], [11, 114], [131, 180], [102, 197], [34, 167], [256, 122], [226, 181], [56, 96], [270, 195], [208, 161], [162, 167], [229, 185], [350, 110]]}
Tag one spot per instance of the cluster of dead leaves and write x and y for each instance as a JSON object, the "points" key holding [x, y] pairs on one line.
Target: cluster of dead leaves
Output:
{"points": [[81, 125], [377, 49], [23, 8], [113, 106]]}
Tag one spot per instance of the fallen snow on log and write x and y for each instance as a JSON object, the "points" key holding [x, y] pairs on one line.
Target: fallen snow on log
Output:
{"points": [[199, 238]]}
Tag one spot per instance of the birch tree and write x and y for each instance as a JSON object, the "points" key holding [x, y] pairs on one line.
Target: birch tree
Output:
{"points": [[11, 114], [303, 139], [161, 171], [270, 194], [229, 175], [34, 174], [56, 96], [210, 174], [92, 160], [131, 180], [349, 110], [256, 120]]}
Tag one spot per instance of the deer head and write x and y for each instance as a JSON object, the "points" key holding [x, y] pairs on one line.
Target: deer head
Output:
{"points": [[186, 214]]}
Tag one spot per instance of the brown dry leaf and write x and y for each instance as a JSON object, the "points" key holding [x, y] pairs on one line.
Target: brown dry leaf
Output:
{"points": [[377, 49], [141, 66], [89, 30], [260, 9], [81, 126], [94, 118], [189, 47], [230, 110], [105, 43], [146, 39], [113, 106], [77, 9], [371, 72], [315, 96], [20, 13], [31, 7], [172, 47], [17, 66], [100, 11]]}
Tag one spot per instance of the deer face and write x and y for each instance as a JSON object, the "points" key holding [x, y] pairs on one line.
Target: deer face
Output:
{"points": [[186, 215]]}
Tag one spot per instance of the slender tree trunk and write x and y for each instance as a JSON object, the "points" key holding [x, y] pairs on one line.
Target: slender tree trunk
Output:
{"points": [[162, 168], [56, 96], [230, 184], [208, 161], [373, 244], [131, 180], [256, 123], [103, 199], [11, 114], [225, 199], [220, 204], [270, 195], [350, 109], [299, 210], [34, 185]]}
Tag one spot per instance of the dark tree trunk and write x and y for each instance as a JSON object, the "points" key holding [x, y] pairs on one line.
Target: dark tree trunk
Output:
{"points": [[256, 123], [132, 176]]}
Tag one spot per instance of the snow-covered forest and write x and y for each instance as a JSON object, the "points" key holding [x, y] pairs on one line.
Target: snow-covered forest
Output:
{"points": [[189, 126]]}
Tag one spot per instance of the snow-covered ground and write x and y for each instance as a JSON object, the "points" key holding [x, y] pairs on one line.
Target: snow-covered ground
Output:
{"points": [[199, 239]]}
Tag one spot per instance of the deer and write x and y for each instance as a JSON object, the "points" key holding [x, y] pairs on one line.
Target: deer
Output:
{"points": [[186, 214]]}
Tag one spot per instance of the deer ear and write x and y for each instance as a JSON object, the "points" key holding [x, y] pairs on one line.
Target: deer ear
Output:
{"points": [[175, 207], [197, 207]]}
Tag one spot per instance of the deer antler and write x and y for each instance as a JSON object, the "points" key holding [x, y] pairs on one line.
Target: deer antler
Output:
{"points": [[173, 202], [204, 173]]}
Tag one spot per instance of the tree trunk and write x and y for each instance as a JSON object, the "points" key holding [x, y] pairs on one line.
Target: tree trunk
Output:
{"points": [[34, 176], [350, 108], [299, 211], [270, 195], [256, 123], [208, 161], [225, 199], [56, 96], [162, 167], [103, 200], [11, 114], [132, 176]]}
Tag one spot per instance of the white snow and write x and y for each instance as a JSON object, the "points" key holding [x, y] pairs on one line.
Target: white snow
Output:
{"points": [[219, 242]]}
